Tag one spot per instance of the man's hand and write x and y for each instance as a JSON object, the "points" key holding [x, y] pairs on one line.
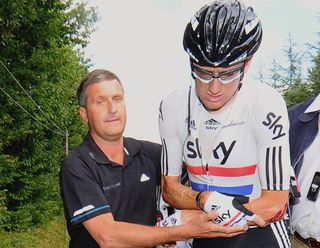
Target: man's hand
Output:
{"points": [[231, 211], [200, 225], [188, 214]]}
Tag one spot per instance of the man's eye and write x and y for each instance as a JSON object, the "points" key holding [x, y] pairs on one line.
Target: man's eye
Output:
{"points": [[117, 99], [100, 102]]}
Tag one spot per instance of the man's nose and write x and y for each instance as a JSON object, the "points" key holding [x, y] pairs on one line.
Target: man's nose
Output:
{"points": [[111, 107]]}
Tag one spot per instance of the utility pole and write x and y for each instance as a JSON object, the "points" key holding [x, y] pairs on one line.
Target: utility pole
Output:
{"points": [[67, 151], [67, 142]]}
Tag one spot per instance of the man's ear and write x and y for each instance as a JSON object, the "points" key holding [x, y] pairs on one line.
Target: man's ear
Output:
{"points": [[83, 114], [247, 64]]}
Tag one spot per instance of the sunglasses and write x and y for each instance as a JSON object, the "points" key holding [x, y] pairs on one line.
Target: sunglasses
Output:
{"points": [[224, 77]]}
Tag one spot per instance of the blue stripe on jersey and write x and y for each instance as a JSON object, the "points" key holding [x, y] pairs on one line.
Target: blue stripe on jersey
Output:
{"points": [[237, 190], [89, 212]]}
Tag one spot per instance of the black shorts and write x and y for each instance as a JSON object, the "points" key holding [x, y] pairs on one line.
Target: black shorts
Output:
{"points": [[273, 236]]}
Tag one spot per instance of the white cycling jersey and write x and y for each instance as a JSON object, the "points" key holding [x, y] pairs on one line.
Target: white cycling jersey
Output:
{"points": [[239, 149]]}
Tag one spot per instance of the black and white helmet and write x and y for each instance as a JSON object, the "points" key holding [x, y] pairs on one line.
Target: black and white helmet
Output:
{"points": [[222, 34]]}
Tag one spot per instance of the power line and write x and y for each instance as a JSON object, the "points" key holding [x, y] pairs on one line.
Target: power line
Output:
{"points": [[38, 107], [34, 118]]}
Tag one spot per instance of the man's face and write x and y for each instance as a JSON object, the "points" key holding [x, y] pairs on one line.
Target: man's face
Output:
{"points": [[105, 112], [215, 92]]}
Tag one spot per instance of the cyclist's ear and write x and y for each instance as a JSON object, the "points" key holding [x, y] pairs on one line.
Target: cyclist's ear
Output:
{"points": [[247, 64]]}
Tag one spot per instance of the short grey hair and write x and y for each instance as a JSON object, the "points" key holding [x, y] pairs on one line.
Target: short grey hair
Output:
{"points": [[96, 76]]}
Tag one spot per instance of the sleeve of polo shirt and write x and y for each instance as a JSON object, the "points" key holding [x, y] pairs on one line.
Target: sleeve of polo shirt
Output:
{"points": [[272, 132], [157, 161], [83, 198]]}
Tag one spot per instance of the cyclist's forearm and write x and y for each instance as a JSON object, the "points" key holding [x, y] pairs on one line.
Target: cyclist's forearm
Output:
{"points": [[178, 195], [271, 206]]}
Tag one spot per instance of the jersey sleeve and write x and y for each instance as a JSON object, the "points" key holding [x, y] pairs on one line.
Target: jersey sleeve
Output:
{"points": [[271, 125], [82, 196], [172, 155]]}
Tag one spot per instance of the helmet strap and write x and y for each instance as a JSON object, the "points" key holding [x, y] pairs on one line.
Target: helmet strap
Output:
{"points": [[191, 69]]}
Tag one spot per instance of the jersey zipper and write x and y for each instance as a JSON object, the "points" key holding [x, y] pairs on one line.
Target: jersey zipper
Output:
{"points": [[207, 173]]}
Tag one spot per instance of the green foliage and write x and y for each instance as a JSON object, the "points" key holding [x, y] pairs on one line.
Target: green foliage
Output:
{"points": [[288, 79], [314, 74], [302, 90], [297, 93], [39, 45]]}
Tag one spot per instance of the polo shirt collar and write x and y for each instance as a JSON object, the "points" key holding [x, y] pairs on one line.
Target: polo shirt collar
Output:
{"points": [[312, 111], [314, 106], [131, 148], [94, 151]]}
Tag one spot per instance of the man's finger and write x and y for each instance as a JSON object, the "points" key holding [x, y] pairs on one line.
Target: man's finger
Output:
{"points": [[212, 215]]}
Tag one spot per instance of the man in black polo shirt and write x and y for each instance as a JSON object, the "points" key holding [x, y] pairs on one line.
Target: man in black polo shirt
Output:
{"points": [[108, 183]]}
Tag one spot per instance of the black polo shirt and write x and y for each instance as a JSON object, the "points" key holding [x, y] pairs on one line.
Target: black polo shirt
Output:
{"points": [[91, 185]]}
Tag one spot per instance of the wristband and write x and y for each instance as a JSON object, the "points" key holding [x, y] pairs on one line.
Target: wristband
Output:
{"points": [[198, 198]]}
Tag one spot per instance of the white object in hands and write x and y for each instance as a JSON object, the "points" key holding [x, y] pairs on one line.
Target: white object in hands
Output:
{"points": [[171, 220], [229, 208]]}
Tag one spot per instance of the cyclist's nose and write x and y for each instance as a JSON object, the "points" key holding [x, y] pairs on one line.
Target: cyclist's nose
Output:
{"points": [[215, 86]]}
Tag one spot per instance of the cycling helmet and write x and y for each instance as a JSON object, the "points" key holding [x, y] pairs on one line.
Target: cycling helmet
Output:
{"points": [[222, 34]]}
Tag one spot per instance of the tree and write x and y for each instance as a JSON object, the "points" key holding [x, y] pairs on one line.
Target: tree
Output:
{"points": [[296, 93], [302, 90], [314, 73], [41, 66], [285, 76], [288, 79]]}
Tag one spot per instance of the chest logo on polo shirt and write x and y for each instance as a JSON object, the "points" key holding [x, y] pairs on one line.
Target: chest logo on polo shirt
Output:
{"points": [[112, 186], [144, 178]]}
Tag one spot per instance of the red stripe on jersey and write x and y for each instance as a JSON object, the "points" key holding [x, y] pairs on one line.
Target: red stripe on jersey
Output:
{"points": [[222, 172]]}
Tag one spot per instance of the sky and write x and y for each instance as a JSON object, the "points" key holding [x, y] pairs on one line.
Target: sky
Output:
{"points": [[141, 41]]}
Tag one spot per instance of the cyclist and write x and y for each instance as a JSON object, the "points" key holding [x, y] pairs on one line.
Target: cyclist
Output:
{"points": [[231, 133]]}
